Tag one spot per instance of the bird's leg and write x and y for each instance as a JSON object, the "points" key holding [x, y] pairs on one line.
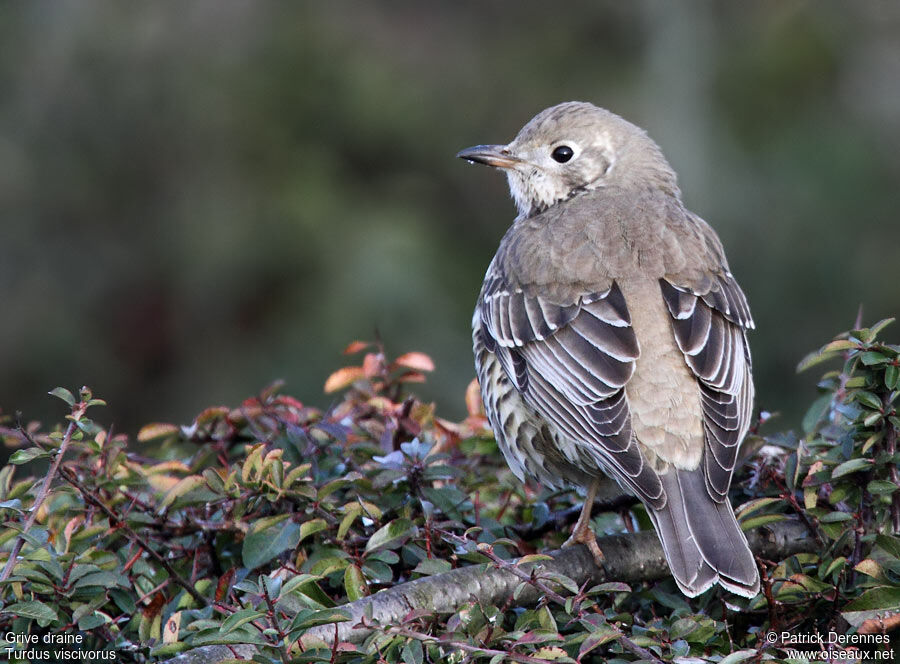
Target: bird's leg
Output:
{"points": [[582, 533]]}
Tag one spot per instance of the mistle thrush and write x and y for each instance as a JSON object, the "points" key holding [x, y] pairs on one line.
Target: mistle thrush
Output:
{"points": [[610, 338]]}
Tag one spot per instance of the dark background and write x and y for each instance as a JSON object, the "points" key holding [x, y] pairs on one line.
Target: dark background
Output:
{"points": [[198, 198]]}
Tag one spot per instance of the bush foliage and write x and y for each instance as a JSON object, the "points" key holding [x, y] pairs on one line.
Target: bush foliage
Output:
{"points": [[200, 534]]}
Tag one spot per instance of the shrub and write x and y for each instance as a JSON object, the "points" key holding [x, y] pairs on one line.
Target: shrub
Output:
{"points": [[254, 525]]}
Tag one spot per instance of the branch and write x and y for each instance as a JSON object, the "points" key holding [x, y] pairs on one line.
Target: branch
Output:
{"points": [[77, 412], [631, 558]]}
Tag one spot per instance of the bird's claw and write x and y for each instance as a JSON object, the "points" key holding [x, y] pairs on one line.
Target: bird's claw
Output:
{"points": [[587, 538]]}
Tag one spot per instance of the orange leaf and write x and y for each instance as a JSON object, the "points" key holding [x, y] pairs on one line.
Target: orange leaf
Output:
{"points": [[355, 346], [415, 360], [474, 405], [411, 377], [343, 378]]}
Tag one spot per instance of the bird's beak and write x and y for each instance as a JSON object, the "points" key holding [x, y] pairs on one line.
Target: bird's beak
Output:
{"points": [[497, 156]]}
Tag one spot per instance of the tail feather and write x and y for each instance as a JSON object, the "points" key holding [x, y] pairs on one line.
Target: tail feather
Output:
{"points": [[701, 539]]}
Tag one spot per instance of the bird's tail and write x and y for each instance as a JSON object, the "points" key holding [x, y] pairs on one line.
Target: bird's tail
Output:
{"points": [[701, 538]]}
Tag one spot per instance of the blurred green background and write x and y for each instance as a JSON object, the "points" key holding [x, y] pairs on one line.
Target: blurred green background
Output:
{"points": [[198, 198]]}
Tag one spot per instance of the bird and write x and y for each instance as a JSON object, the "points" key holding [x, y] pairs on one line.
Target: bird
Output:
{"points": [[610, 339]]}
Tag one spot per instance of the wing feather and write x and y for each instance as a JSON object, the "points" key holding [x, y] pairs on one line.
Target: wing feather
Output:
{"points": [[710, 329], [571, 363]]}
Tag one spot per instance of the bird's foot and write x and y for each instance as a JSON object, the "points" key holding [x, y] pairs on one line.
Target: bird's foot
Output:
{"points": [[586, 536]]}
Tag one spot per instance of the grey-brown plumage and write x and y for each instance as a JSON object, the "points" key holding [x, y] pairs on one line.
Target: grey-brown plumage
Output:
{"points": [[610, 338]]}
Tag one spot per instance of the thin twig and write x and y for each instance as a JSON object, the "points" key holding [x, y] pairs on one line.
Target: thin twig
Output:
{"points": [[77, 413], [69, 476], [467, 647]]}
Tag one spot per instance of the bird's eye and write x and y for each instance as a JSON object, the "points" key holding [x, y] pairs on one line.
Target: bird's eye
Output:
{"points": [[562, 154]]}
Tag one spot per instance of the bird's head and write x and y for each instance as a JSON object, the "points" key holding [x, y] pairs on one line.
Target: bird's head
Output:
{"points": [[572, 148]]}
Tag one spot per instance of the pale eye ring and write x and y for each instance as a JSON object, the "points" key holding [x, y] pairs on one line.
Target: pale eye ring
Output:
{"points": [[562, 154]]}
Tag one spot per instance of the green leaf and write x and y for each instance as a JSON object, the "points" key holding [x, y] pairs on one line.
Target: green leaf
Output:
{"points": [[35, 610], [816, 412], [871, 357], [311, 527], [851, 466], [876, 599], [597, 637], [64, 394], [881, 487], [391, 535], [737, 656], [24, 456], [183, 486], [889, 544], [307, 618], [430, 566], [239, 618], [752, 506], [412, 652], [892, 377], [268, 538], [355, 583], [761, 520], [835, 517], [868, 399]]}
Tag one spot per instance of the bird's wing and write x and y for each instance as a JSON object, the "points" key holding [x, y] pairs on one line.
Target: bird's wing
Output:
{"points": [[571, 363], [710, 319]]}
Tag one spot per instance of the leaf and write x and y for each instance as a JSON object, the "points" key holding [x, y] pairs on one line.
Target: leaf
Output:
{"points": [[752, 506], [816, 357], [835, 517], [355, 347], [892, 377], [851, 466], [533, 558], [355, 583], [307, 618], [872, 357], [610, 587], [416, 361], [64, 394], [881, 487], [343, 378], [35, 610], [430, 566], [239, 618], [155, 431], [597, 637], [816, 412], [24, 456], [868, 399], [474, 405], [183, 486], [889, 544], [876, 599], [737, 656], [391, 535], [761, 520], [871, 568], [310, 527], [268, 538]]}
